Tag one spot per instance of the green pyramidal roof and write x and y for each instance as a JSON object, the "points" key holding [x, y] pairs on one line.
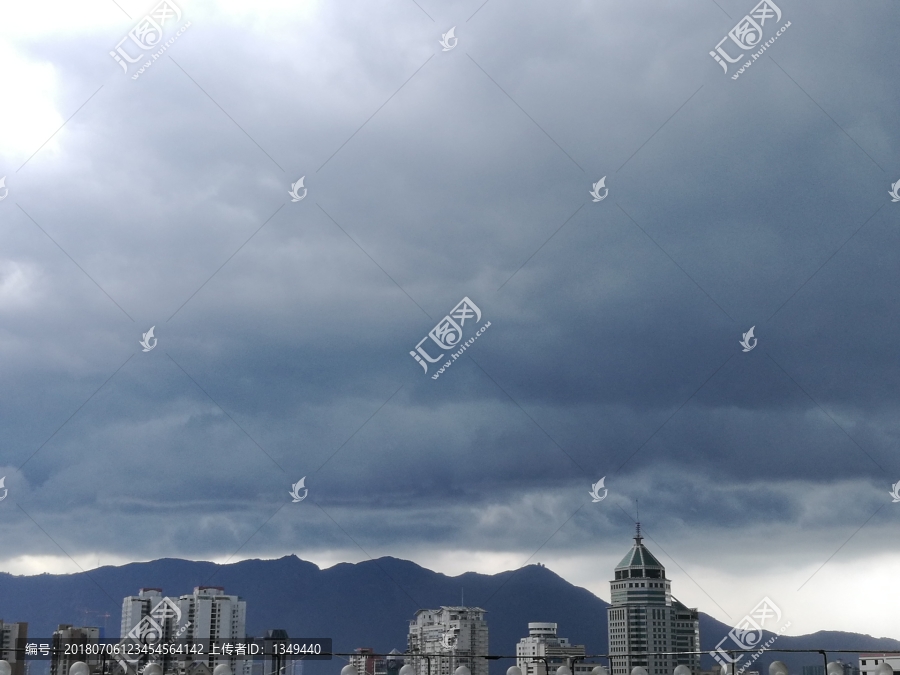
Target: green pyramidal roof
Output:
{"points": [[639, 556]]}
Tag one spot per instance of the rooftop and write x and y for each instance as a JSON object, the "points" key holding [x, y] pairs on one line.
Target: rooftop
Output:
{"points": [[639, 555]]}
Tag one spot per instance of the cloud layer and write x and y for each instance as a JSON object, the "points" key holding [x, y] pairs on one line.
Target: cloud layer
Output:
{"points": [[285, 328]]}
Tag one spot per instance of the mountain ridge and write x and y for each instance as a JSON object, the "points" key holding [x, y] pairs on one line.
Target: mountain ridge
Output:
{"points": [[362, 604]]}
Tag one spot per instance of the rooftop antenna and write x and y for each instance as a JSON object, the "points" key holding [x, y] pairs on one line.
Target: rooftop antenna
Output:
{"points": [[462, 596], [637, 509]]}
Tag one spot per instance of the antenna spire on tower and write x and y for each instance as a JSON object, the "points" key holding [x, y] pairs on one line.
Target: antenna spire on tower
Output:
{"points": [[637, 522]]}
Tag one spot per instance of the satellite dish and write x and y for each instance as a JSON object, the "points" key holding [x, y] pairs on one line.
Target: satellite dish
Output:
{"points": [[639, 670], [222, 669], [514, 670], [348, 670], [462, 670], [684, 670], [79, 668], [5, 668], [153, 669], [778, 668]]}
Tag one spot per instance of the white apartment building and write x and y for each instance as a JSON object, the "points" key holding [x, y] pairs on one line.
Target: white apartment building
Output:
{"points": [[645, 620], [456, 635], [9, 633], [206, 614], [136, 607], [543, 648], [868, 663]]}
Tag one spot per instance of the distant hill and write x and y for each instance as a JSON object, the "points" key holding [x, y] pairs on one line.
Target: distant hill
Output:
{"points": [[367, 604]]}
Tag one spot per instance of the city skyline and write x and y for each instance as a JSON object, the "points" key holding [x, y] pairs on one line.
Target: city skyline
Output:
{"points": [[463, 283], [650, 633], [640, 584]]}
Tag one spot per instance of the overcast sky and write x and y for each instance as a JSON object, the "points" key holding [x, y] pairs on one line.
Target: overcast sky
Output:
{"points": [[284, 328]]}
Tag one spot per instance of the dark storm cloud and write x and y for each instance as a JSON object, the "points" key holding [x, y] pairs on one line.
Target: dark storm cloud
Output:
{"points": [[623, 327]]}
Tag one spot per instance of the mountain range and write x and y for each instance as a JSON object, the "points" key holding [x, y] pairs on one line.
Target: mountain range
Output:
{"points": [[367, 604]]}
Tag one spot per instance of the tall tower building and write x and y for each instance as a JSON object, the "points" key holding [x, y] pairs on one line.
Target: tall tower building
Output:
{"points": [[543, 648], [456, 634], [646, 623]]}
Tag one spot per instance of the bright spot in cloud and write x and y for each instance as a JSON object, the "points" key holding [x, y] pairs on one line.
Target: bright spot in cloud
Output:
{"points": [[33, 86]]}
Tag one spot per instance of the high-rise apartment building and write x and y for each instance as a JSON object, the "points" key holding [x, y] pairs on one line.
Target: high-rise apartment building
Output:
{"points": [[137, 607], [458, 635], [150, 616], [206, 614], [544, 649], [646, 623], [393, 662], [9, 633], [274, 663], [66, 633], [365, 662]]}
